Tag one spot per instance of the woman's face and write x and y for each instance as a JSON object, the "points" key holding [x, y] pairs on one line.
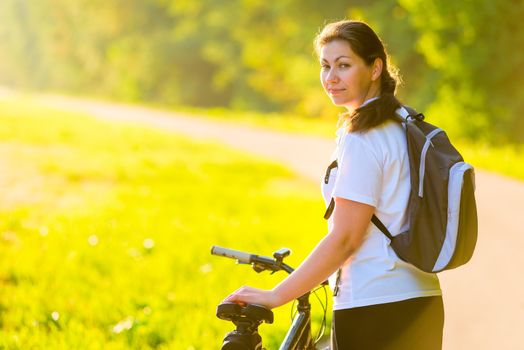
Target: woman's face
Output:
{"points": [[346, 78]]}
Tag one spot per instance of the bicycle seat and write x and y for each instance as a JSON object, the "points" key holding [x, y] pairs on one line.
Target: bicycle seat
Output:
{"points": [[234, 312]]}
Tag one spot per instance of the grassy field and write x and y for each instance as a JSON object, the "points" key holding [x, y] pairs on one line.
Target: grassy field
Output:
{"points": [[106, 230]]}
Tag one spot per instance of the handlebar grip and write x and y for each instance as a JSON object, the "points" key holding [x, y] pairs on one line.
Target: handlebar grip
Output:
{"points": [[233, 254]]}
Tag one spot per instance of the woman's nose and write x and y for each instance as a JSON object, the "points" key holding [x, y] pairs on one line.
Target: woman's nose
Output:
{"points": [[331, 76]]}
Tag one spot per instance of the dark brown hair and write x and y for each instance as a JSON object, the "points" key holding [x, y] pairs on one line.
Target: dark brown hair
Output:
{"points": [[366, 44]]}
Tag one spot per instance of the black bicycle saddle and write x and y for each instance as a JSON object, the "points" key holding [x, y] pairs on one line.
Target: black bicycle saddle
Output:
{"points": [[253, 312]]}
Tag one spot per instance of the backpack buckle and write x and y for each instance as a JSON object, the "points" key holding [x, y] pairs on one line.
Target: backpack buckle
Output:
{"points": [[331, 166], [419, 117]]}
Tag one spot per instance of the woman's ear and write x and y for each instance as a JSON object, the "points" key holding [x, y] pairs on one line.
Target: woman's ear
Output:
{"points": [[376, 69]]}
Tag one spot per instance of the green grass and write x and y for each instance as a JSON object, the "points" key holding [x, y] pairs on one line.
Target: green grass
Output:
{"points": [[106, 230]]}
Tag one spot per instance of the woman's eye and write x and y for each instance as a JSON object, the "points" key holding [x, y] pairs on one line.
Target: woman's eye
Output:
{"points": [[344, 65], [324, 66]]}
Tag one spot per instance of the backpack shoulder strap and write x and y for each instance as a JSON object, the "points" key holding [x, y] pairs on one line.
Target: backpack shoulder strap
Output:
{"points": [[374, 219], [381, 226]]}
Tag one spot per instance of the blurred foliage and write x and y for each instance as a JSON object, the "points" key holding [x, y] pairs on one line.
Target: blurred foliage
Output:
{"points": [[477, 49], [459, 59]]}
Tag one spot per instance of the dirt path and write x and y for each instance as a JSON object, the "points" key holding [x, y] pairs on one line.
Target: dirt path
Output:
{"points": [[484, 300]]}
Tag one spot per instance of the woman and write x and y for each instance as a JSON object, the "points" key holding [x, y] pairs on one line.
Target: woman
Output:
{"points": [[380, 302]]}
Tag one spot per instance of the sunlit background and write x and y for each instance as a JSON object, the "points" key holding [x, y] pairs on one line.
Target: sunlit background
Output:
{"points": [[105, 230], [461, 60]]}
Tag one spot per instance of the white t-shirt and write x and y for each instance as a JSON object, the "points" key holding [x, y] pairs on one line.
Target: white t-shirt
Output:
{"points": [[373, 168]]}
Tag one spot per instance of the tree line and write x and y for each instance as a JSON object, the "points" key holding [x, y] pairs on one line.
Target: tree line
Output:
{"points": [[460, 60]]}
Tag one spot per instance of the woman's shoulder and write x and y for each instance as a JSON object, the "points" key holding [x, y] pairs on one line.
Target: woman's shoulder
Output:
{"points": [[382, 141], [389, 130]]}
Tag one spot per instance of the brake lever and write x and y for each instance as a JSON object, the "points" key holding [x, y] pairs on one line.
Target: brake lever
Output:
{"points": [[258, 267]]}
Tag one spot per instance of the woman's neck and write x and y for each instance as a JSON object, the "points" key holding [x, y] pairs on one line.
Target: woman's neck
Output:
{"points": [[352, 109]]}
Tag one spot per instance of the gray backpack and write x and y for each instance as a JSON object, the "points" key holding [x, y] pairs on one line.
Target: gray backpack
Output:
{"points": [[442, 210]]}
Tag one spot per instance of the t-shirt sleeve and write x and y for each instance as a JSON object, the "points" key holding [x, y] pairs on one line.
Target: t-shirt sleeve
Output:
{"points": [[359, 175]]}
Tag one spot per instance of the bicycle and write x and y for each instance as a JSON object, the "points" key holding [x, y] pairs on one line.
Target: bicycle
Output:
{"points": [[247, 319]]}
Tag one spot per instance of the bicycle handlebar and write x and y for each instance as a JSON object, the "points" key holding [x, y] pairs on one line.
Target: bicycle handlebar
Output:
{"points": [[242, 257], [260, 263]]}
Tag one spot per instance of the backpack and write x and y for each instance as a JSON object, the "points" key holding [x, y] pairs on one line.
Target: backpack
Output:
{"points": [[442, 211]]}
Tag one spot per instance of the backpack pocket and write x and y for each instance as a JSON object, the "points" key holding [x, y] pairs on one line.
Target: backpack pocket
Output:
{"points": [[460, 192]]}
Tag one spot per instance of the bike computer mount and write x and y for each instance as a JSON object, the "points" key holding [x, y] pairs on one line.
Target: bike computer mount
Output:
{"points": [[281, 254]]}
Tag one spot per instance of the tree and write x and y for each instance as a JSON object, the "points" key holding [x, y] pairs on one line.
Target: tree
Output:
{"points": [[476, 48]]}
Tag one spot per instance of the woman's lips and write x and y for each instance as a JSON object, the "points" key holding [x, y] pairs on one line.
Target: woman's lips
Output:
{"points": [[335, 91]]}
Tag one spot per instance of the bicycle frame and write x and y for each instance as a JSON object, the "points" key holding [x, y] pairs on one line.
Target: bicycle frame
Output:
{"points": [[299, 335]]}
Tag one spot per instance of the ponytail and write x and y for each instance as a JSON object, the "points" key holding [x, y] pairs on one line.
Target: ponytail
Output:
{"points": [[380, 110]]}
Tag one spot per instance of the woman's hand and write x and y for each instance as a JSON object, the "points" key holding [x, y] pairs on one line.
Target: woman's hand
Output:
{"points": [[249, 295]]}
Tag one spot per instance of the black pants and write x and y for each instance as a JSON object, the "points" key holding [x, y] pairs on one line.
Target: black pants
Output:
{"points": [[409, 324]]}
